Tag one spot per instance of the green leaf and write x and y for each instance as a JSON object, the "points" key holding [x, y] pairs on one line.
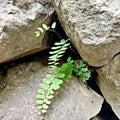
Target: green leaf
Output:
{"points": [[59, 56], [37, 33], [54, 52], [47, 81], [45, 26], [84, 69], [70, 61], [46, 86], [66, 45], [53, 56], [49, 76], [51, 91], [87, 75], [57, 81], [53, 59], [79, 72], [64, 67], [40, 96], [49, 96], [56, 47], [43, 111], [60, 75], [51, 63], [53, 25], [67, 70], [40, 29], [62, 42], [63, 49], [47, 101], [45, 106], [82, 64], [56, 69], [56, 63], [41, 91], [55, 86], [39, 107], [40, 102]]}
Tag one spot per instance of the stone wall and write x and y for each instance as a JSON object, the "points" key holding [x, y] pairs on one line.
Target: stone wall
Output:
{"points": [[93, 27]]}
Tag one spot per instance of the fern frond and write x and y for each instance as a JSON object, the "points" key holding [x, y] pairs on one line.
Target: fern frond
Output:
{"points": [[57, 52], [51, 82]]}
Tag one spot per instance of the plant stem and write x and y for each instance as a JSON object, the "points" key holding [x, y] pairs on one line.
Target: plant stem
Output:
{"points": [[55, 33]]}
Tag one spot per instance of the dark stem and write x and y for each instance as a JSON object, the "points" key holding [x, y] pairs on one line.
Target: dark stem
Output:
{"points": [[55, 33]]}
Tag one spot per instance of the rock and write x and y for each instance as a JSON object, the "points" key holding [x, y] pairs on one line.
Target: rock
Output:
{"points": [[73, 102], [3, 81], [93, 27], [18, 99], [106, 113], [109, 83], [18, 22]]}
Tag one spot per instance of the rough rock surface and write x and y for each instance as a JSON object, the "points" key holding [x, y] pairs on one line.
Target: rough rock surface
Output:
{"points": [[93, 27], [75, 102], [109, 83], [17, 100], [18, 22]]}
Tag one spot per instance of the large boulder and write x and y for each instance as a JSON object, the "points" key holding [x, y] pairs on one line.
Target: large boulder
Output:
{"points": [[93, 27], [75, 102], [18, 100], [18, 22], [109, 83]]}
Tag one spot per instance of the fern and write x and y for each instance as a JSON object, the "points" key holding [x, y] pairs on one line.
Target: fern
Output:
{"points": [[60, 75], [51, 83], [45, 28], [46, 90], [81, 71], [57, 52], [58, 49]]}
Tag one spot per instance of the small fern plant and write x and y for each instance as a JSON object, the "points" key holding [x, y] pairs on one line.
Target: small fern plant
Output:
{"points": [[59, 75], [58, 49], [57, 52]]}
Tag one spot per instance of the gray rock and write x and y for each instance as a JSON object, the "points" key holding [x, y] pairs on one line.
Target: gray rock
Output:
{"points": [[75, 102], [93, 27], [72, 102], [109, 83], [17, 100], [18, 23]]}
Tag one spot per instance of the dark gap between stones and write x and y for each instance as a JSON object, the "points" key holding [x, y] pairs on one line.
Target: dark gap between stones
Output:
{"points": [[106, 112]]}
